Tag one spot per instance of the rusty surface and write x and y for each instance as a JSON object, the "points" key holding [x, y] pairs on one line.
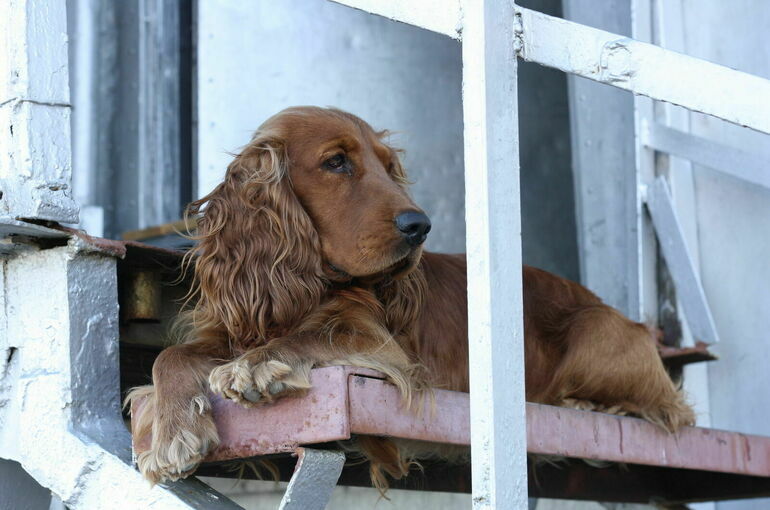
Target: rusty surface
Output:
{"points": [[337, 407], [142, 253], [320, 416], [314, 478], [142, 297], [588, 435], [376, 409], [678, 356]]}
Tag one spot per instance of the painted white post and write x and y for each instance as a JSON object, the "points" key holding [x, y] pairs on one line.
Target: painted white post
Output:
{"points": [[644, 116], [35, 173], [496, 340]]}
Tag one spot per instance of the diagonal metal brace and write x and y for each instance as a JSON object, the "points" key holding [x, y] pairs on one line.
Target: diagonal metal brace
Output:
{"points": [[672, 244], [314, 479]]}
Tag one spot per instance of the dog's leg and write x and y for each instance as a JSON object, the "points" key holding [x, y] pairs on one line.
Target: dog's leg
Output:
{"points": [[177, 412], [282, 367], [612, 363]]}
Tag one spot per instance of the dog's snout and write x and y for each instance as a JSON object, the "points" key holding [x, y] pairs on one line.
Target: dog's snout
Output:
{"points": [[414, 226]]}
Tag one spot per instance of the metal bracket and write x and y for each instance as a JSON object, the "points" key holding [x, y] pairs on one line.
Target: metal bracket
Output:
{"points": [[674, 248], [314, 479]]}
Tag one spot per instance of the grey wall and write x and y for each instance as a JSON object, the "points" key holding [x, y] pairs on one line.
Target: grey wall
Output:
{"points": [[396, 77], [603, 152], [733, 220]]}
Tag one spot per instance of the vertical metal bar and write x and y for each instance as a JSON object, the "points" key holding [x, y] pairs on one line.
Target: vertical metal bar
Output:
{"points": [[498, 422], [646, 308]]}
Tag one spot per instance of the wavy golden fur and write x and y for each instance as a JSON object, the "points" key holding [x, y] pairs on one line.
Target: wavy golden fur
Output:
{"points": [[310, 254]]}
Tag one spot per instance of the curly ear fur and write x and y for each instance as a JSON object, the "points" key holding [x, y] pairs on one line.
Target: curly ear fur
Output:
{"points": [[397, 171], [258, 271]]}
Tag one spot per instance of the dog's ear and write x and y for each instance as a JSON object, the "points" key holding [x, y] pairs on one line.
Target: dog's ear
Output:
{"points": [[396, 169], [258, 270]]}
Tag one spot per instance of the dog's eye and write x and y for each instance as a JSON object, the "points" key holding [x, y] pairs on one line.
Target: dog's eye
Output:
{"points": [[337, 164]]}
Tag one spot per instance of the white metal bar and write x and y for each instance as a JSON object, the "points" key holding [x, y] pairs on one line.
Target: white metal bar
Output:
{"points": [[646, 69], [672, 244], [646, 255], [442, 16], [492, 216], [735, 162]]}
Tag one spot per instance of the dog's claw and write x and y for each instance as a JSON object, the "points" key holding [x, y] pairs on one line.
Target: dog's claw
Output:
{"points": [[252, 395]]}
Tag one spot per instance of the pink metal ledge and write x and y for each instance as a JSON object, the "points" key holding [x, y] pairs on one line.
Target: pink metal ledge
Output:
{"points": [[348, 400]]}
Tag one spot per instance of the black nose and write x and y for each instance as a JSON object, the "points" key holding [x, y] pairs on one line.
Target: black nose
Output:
{"points": [[414, 226]]}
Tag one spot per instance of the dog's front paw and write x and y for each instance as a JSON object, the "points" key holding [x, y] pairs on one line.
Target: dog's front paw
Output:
{"points": [[250, 383], [179, 444]]}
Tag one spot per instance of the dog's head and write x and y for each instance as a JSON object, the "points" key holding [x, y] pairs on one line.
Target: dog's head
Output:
{"points": [[317, 196]]}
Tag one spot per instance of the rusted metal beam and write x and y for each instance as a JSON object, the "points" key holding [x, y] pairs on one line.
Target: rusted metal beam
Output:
{"points": [[675, 357], [342, 404]]}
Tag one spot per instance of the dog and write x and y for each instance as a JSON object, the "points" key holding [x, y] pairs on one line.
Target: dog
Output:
{"points": [[310, 254]]}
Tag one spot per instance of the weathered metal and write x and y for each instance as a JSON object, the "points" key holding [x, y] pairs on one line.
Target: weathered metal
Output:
{"points": [[609, 58], [493, 246], [678, 356], [646, 69], [680, 264], [346, 401], [320, 416], [142, 299], [315, 476], [735, 162], [376, 409]]}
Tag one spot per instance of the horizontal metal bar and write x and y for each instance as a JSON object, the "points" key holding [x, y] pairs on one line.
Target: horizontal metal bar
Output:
{"points": [[735, 162], [442, 16], [680, 265], [591, 435], [622, 62], [645, 69], [375, 408]]}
